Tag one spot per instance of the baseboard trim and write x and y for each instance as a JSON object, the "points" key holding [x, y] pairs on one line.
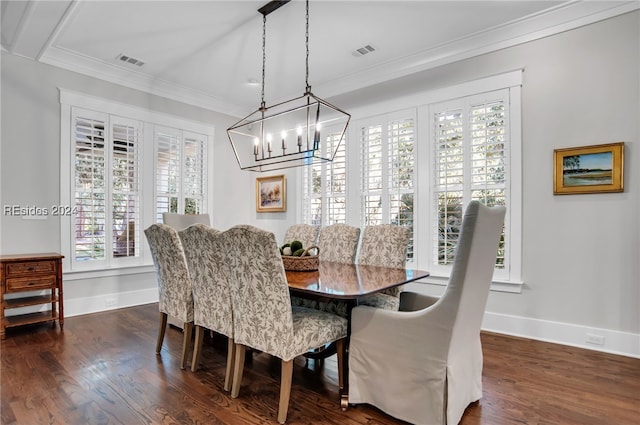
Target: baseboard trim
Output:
{"points": [[106, 302], [597, 339]]}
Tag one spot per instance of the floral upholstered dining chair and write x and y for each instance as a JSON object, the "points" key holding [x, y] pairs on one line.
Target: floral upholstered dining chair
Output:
{"points": [[384, 245], [305, 233], [264, 318], [174, 283], [338, 243], [211, 294]]}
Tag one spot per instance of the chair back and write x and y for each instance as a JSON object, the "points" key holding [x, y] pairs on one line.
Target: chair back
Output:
{"points": [[305, 233], [468, 288], [174, 283], [384, 245], [209, 273], [259, 291], [182, 221], [338, 243]]}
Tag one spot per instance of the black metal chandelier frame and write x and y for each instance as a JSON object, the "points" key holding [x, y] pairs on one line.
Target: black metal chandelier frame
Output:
{"points": [[300, 119]]}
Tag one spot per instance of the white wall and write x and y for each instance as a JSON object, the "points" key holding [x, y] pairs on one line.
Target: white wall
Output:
{"points": [[581, 252]]}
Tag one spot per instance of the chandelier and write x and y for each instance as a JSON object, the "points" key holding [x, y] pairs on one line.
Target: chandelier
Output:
{"points": [[297, 132]]}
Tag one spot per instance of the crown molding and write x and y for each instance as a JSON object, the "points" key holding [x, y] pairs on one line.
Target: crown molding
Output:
{"points": [[71, 61], [552, 21]]}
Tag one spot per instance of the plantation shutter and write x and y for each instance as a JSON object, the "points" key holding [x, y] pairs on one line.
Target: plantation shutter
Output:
{"points": [[471, 163], [89, 184], [195, 175], [388, 172], [125, 187], [168, 169], [325, 187], [106, 187], [336, 182], [181, 175]]}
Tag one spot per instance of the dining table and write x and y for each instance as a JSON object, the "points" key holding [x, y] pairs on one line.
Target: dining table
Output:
{"points": [[350, 283]]}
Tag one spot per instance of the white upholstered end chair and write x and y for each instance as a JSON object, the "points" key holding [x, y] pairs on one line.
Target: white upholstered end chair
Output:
{"points": [[423, 364], [211, 294], [174, 283], [263, 317], [384, 245]]}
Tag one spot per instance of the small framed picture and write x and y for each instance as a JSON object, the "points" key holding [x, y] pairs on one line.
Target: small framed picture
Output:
{"points": [[589, 169], [271, 194]]}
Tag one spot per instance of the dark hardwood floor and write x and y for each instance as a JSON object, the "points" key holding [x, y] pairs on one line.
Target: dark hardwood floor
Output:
{"points": [[103, 370]]}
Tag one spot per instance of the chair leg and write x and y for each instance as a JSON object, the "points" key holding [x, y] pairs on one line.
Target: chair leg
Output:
{"points": [[285, 389], [187, 331], [231, 356], [197, 348], [163, 327], [238, 368], [340, 353]]}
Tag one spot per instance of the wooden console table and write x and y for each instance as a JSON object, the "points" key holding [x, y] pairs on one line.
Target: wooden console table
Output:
{"points": [[28, 273]]}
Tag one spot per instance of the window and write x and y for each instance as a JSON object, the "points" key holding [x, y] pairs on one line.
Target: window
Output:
{"points": [[109, 187], [105, 187], [325, 188], [471, 161], [420, 167], [388, 172], [180, 172]]}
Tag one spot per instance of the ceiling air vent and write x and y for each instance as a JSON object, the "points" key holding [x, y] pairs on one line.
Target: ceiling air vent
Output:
{"points": [[363, 50], [130, 60]]}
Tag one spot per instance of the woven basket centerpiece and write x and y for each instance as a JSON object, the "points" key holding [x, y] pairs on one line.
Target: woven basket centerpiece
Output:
{"points": [[304, 263]]}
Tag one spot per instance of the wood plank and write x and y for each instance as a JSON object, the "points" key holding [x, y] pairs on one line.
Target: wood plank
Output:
{"points": [[103, 369]]}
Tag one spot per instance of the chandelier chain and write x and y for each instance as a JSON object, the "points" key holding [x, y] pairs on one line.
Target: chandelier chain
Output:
{"points": [[307, 47], [264, 54]]}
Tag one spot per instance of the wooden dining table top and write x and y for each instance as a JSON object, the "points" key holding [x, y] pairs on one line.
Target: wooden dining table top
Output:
{"points": [[349, 281]]}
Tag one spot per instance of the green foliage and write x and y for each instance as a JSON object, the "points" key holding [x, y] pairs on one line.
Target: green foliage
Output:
{"points": [[296, 246], [298, 253]]}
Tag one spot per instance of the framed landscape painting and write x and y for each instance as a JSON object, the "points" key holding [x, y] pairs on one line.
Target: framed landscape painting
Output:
{"points": [[271, 194], [588, 169]]}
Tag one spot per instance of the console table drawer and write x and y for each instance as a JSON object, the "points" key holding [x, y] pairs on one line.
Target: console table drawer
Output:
{"points": [[30, 283], [30, 267]]}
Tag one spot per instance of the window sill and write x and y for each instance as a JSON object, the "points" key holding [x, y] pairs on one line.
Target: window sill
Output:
{"points": [[113, 271], [514, 287]]}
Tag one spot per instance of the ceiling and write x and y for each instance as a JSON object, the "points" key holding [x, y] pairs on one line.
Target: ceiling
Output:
{"points": [[207, 53]]}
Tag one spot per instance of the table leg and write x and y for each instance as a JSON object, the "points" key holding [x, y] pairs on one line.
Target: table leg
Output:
{"points": [[344, 390]]}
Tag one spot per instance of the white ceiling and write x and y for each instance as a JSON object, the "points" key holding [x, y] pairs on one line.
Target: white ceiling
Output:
{"points": [[205, 52]]}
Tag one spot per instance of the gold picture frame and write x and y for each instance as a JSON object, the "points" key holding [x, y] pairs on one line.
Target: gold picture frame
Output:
{"points": [[271, 194], [589, 169]]}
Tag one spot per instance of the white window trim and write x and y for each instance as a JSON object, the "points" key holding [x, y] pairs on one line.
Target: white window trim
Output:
{"points": [[511, 82], [70, 99]]}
